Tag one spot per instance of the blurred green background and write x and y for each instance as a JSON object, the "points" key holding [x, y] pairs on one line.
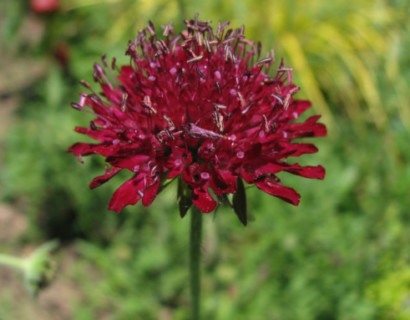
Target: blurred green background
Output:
{"points": [[344, 253]]}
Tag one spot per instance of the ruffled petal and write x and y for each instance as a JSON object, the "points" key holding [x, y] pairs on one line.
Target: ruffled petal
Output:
{"points": [[288, 149], [85, 149], [97, 181], [127, 194], [177, 162], [223, 181], [309, 128], [101, 135], [277, 190], [312, 172], [203, 200], [150, 194], [132, 163], [296, 108]]}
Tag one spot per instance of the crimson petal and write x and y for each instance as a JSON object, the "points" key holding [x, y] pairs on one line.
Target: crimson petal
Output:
{"points": [[97, 181], [203, 200], [150, 194], [277, 190], [127, 194]]}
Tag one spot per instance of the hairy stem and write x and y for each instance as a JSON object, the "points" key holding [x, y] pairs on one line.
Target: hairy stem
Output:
{"points": [[194, 261], [11, 261]]}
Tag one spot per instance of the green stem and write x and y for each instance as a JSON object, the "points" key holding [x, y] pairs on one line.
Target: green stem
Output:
{"points": [[11, 261], [194, 261]]}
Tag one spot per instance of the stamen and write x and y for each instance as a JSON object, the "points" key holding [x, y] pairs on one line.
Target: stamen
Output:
{"points": [[169, 134], [195, 59], [86, 84], [289, 96], [218, 86], [170, 123], [277, 98], [259, 49], [162, 46], [241, 99], [113, 63], [124, 101], [268, 81], [249, 43], [147, 104], [93, 126], [218, 119], [100, 76], [200, 74], [104, 60], [159, 135], [263, 61], [207, 45], [228, 34], [83, 96], [151, 28], [265, 120], [244, 111], [219, 106], [168, 29], [197, 132], [77, 106], [198, 37], [287, 101]]}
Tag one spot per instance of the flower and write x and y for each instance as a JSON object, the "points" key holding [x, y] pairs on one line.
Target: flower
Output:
{"points": [[44, 6], [200, 107], [39, 268]]}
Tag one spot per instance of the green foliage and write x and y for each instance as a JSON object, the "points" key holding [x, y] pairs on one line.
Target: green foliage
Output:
{"points": [[342, 254], [391, 292]]}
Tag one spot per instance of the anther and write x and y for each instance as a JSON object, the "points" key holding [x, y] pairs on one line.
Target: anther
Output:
{"points": [[263, 61], [151, 28], [219, 106], [265, 120], [207, 45], [124, 101], [241, 99], [85, 84], [218, 86], [76, 106], [93, 126], [218, 120], [113, 63], [83, 96], [104, 60], [195, 59], [200, 74], [277, 98], [169, 121], [244, 111], [197, 132], [198, 37], [147, 104]]}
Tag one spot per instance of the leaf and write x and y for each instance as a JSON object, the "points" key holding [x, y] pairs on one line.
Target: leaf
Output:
{"points": [[184, 198], [239, 203]]}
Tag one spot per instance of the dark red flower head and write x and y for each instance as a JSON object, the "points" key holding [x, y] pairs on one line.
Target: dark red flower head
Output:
{"points": [[199, 106]]}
